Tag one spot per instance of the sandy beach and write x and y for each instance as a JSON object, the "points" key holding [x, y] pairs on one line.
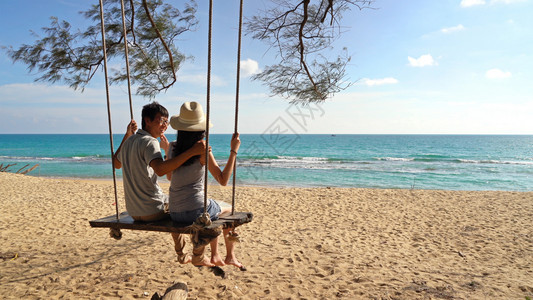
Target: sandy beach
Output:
{"points": [[304, 243]]}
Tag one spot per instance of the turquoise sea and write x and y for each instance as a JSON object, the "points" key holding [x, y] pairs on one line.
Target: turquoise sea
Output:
{"points": [[450, 162]]}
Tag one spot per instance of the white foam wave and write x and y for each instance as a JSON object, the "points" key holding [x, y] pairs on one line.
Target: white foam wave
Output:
{"points": [[294, 162], [64, 159], [302, 159], [394, 159], [499, 162]]}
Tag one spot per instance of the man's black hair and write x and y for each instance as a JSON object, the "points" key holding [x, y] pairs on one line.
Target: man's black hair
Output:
{"points": [[150, 110]]}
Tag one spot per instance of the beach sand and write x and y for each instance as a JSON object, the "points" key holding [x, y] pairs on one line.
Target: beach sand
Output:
{"points": [[304, 243]]}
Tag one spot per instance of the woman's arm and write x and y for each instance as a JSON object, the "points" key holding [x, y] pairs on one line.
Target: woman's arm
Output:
{"points": [[223, 176]]}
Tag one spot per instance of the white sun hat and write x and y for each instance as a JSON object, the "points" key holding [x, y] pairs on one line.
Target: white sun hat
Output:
{"points": [[191, 118]]}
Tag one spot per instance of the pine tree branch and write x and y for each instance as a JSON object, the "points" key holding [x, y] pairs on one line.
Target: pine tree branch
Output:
{"points": [[171, 60]]}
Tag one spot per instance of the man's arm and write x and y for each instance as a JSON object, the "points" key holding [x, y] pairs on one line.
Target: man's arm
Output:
{"points": [[131, 129], [162, 167]]}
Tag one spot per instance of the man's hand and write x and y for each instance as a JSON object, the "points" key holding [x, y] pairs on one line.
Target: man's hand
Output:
{"points": [[198, 148], [164, 144], [132, 128]]}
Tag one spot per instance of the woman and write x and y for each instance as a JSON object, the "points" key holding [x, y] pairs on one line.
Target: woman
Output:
{"points": [[186, 198]]}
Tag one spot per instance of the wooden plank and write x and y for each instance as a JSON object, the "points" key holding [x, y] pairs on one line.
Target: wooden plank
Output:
{"points": [[125, 221]]}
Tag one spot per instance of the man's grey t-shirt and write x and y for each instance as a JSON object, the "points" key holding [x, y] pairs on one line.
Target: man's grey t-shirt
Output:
{"points": [[141, 191]]}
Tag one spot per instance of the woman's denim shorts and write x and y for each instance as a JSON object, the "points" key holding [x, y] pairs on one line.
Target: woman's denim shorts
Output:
{"points": [[190, 216]]}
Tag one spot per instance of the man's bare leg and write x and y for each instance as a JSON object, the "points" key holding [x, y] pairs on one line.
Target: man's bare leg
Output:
{"points": [[215, 257]]}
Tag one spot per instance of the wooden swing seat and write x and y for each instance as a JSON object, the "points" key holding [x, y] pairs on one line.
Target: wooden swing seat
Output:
{"points": [[125, 221]]}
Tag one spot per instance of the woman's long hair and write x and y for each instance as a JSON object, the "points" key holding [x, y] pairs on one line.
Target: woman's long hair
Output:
{"points": [[185, 140]]}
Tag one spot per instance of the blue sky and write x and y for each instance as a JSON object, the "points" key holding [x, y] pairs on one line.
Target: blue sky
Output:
{"points": [[421, 67]]}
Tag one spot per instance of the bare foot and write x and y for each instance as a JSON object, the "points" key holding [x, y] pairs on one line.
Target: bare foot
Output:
{"points": [[200, 261], [217, 261], [234, 262]]}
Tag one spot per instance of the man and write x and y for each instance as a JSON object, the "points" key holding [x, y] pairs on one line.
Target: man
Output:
{"points": [[139, 156]]}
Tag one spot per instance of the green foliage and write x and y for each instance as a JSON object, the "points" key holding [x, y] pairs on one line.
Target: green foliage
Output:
{"points": [[289, 80], [301, 31], [73, 57]]}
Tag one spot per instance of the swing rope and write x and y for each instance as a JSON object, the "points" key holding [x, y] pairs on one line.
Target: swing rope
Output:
{"points": [[104, 48], [237, 104], [124, 34], [114, 223], [208, 97], [208, 106]]}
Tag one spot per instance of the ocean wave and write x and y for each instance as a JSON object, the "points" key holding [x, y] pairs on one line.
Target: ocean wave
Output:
{"points": [[394, 158], [447, 159], [497, 162], [292, 162], [93, 158], [307, 159]]}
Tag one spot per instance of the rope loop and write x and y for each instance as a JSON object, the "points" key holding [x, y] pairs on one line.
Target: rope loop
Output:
{"points": [[115, 233], [234, 236], [204, 220], [198, 230]]}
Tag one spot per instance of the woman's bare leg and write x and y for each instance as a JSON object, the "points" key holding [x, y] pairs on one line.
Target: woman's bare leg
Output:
{"points": [[225, 210], [215, 257], [231, 259]]}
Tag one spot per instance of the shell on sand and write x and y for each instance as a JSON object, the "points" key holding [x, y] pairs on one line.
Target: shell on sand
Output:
{"points": [[178, 291]]}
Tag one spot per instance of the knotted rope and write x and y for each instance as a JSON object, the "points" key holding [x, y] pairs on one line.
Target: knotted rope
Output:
{"points": [[200, 233]]}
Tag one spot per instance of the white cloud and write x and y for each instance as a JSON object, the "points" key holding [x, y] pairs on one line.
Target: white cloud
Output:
{"points": [[372, 82], [422, 61], [497, 74], [452, 29], [468, 3], [249, 67], [506, 1]]}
